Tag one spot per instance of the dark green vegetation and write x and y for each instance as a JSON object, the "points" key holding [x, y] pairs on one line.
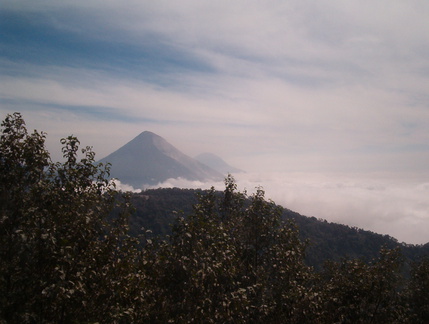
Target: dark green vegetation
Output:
{"points": [[157, 209], [67, 255]]}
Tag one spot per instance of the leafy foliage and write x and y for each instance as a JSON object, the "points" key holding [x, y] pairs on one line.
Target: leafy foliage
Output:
{"points": [[61, 257], [418, 291], [231, 263], [157, 209], [67, 255], [356, 292]]}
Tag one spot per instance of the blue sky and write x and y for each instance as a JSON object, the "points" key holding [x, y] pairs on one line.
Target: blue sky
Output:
{"points": [[331, 94]]}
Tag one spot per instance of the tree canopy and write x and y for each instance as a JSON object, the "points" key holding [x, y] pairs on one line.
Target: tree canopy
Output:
{"points": [[67, 255], [61, 255]]}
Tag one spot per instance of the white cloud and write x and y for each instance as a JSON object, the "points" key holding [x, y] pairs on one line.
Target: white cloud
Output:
{"points": [[125, 187], [287, 86], [184, 183], [396, 206]]}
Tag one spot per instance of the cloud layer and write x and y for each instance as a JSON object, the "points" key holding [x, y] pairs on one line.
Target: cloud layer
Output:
{"points": [[275, 86], [391, 206]]}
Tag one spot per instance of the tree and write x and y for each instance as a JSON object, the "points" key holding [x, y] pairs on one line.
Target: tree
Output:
{"points": [[357, 292], [231, 261], [418, 291], [67, 257], [63, 259]]}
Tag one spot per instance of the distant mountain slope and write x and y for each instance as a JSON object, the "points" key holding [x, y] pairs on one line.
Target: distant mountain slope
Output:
{"points": [[217, 163], [149, 159], [157, 209]]}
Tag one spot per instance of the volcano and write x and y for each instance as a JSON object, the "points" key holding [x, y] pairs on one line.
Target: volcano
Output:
{"points": [[149, 159]]}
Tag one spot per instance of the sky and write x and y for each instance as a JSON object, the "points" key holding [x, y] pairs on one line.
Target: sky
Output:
{"points": [[324, 103]]}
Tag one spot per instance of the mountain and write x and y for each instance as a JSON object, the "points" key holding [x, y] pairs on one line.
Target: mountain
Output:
{"points": [[149, 159], [216, 163], [157, 209]]}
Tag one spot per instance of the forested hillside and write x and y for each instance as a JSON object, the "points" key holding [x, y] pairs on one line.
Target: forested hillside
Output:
{"points": [[157, 209], [67, 255]]}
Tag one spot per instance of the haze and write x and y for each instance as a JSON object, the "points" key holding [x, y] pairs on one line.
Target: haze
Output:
{"points": [[324, 103]]}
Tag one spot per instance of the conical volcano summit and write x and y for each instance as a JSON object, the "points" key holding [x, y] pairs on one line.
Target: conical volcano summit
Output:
{"points": [[149, 159]]}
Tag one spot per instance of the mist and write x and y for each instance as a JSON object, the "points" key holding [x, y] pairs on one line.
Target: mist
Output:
{"points": [[379, 203]]}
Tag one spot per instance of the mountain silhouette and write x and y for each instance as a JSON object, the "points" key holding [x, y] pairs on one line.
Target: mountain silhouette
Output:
{"points": [[149, 159], [217, 163]]}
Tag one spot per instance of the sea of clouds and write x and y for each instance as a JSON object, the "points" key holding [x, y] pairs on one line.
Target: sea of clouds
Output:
{"points": [[396, 206]]}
